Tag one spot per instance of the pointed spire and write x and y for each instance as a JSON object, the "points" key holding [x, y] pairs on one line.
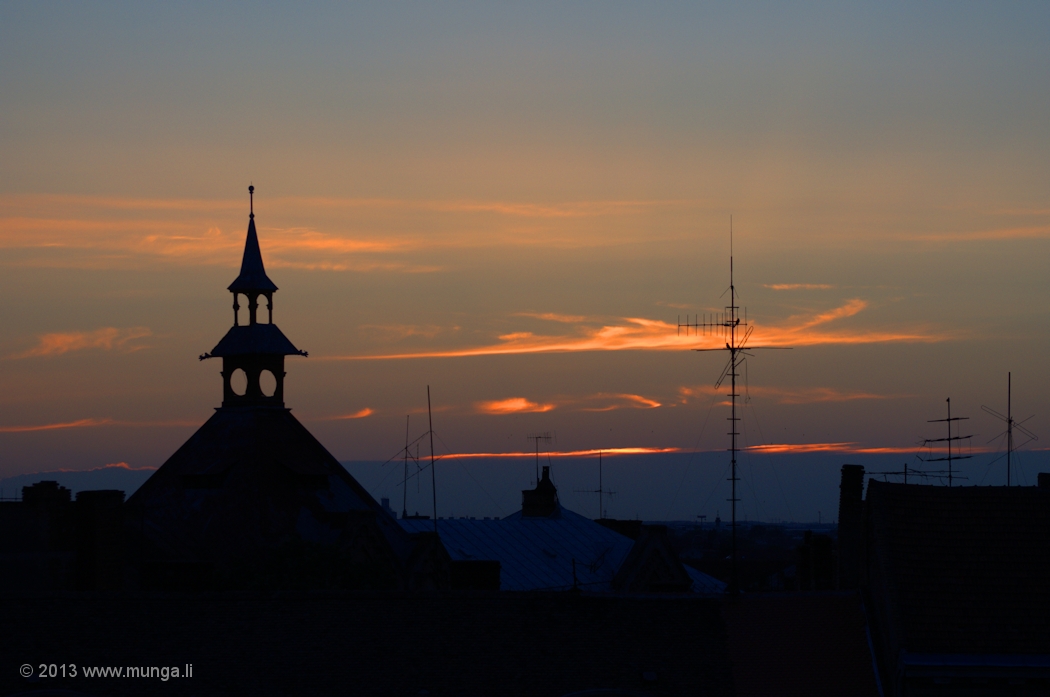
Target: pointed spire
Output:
{"points": [[253, 275]]}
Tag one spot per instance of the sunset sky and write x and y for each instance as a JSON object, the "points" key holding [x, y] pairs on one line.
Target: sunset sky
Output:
{"points": [[515, 205]]}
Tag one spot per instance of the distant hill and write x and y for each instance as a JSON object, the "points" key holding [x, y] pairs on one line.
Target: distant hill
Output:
{"points": [[117, 476]]}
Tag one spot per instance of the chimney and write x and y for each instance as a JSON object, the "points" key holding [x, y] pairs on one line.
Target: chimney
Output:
{"points": [[541, 502], [1044, 480], [851, 523]]}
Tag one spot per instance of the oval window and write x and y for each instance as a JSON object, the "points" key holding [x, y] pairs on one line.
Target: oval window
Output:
{"points": [[267, 383], [239, 382]]}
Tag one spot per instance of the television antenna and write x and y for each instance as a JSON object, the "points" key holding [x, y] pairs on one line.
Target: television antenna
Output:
{"points": [[546, 438], [949, 440], [729, 326], [407, 456], [1010, 426], [600, 490], [924, 474]]}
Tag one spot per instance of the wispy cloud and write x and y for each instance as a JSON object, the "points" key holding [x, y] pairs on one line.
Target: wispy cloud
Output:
{"points": [[797, 286], [846, 447], [621, 401], [79, 423], [555, 317], [117, 241], [805, 395], [360, 414], [1003, 233], [107, 338], [404, 331], [91, 423], [513, 405], [111, 466], [357, 234], [633, 333], [607, 452]]}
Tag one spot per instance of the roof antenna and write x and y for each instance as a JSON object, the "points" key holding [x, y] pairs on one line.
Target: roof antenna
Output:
{"points": [[600, 490], [948, 440], [546, 438], [404, 484], [728, 324], [1011, 424], [433, 477]]}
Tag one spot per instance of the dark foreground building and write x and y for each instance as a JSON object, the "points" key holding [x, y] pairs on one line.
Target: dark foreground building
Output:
{"points": [[956, 581], [366, 643], [252, 499]]}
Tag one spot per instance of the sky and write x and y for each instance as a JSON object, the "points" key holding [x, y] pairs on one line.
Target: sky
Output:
{"points": [[516, 205]]}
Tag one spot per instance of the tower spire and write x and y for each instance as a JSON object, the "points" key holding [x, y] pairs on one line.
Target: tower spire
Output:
{"points": [[257, 348]]}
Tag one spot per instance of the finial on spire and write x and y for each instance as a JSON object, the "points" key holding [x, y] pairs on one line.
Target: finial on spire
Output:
{"points": [[251, 201]]}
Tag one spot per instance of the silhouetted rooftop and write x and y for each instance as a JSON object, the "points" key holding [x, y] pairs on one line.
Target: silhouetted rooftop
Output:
{"points": [[965, 569], [254, 338]]}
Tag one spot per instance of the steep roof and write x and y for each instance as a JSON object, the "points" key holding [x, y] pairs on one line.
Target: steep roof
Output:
{"points": [[965, 570], [254, 338], [253, 276], [247, 482]]}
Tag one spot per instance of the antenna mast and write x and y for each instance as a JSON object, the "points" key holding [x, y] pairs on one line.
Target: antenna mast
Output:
{"points": [[600, 490], [1010, 426], [729, 325], [546, 438], [433, 477], [404, 485], [948, 440]]}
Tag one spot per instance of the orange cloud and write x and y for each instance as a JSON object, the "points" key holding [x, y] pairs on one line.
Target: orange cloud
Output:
{"points": [[797, 286], [606, 452], [107, 338], [356, 415], [847, 447], [809, 395], [514, 405], [554, 317], [80, 423], [87, 423], [635, 333], [633, 401], [803, 448], [107, 232], [111, 466]]}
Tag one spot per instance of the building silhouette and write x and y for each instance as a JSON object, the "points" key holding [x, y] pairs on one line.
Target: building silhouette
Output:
{"points": [[956, 582], [252, 499]]}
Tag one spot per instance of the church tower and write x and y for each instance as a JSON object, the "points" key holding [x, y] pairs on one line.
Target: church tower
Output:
{"points": [[256, 349], [252, 499]]}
